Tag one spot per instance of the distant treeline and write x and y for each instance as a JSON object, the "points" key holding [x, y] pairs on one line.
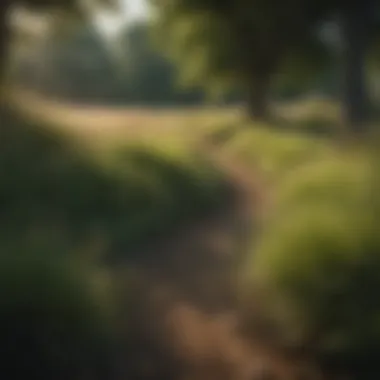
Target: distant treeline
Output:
{"points": [[82, 68]]}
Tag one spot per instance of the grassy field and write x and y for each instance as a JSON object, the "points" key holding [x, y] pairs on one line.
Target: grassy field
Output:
{"points": [[132, 175], [117, 125], [105, 182], [126, 176], [300, 134]]}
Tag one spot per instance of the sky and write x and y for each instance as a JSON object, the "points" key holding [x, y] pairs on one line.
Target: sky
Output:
{"points": [[137, 8], [110, 22], [131, 10]]}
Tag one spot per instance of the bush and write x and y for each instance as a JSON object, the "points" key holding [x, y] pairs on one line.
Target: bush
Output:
{"points": [[53, 325], [318, 262], [336, 181]]}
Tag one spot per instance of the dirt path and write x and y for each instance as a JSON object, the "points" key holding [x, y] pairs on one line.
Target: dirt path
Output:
{"points": [[185, 321]]}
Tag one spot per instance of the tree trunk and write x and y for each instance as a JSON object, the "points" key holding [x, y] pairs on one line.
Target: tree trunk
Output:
{"points": [[355, 26], [258, 98], [4, 40]]}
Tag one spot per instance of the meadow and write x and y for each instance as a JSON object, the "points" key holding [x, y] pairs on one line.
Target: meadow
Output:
{"points": [[171, 213]]}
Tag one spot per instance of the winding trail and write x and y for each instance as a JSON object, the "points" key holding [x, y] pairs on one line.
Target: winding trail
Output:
{"points": [[186, 320]]}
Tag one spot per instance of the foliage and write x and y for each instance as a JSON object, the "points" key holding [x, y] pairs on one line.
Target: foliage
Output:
{"points": [[62, 315], [318, 261], [64, 13], [81, 67], [50, 186], [233, 43], [69, 5], [78, 65], [150, 78], [53, 324]]}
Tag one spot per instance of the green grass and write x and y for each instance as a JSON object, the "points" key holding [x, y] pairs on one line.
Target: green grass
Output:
{"points": [[69, 203], [122, 178], [318, 255], [275, 153], [124, 195], [103, 184]]}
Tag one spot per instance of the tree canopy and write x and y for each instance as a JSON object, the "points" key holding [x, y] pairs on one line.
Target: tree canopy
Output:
{"points": [[248, 44], [237, 42]]}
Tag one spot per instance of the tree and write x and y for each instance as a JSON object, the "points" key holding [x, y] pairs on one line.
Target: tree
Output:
{"points": [[61, 7], [358, 27], [76, 66], [236, 42], [358, 20], [149, 77], [247, 42], [80, 67], [4, 34]]}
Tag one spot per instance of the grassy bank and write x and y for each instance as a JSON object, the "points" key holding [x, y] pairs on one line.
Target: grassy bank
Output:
{"points": [[122, 195]]}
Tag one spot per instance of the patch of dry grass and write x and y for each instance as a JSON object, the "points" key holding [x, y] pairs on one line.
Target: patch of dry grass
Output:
{"points": [[114, 125]]}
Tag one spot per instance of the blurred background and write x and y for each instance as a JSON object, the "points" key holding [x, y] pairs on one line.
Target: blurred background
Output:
{"points": [[189, 189]]}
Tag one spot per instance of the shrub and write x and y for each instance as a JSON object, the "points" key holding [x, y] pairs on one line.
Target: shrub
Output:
{"points": [[52, 321], [318, 263]]}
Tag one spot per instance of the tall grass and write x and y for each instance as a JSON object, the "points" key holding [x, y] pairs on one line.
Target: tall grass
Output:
{"points": [[318, 262], [276, 153], [50, 184]]}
